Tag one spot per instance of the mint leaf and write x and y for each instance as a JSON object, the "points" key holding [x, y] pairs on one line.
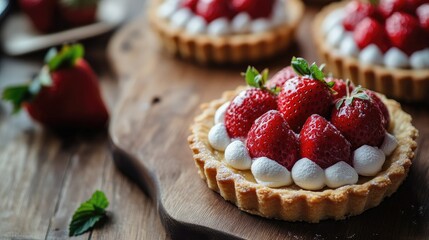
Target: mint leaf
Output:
{"points": [[316, 73], [88, 214], [67, 57]]}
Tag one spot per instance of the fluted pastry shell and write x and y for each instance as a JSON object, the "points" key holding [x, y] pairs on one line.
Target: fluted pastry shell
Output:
{"points": [[292, 203], [234, 48], [403, 84]]}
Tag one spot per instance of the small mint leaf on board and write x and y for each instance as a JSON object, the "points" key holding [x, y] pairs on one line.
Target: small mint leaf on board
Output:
{"points": [[88, 214]]}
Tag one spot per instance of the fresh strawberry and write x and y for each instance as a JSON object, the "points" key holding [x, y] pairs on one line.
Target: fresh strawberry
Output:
{"points": [[422, 13], [355, 12], [381, 106], [322, 143], [340, 87], [191, 4], [41, 13], [405, 33], [79, 12], [213, 9], [369, 31], [281, 77], [249, 104], [271, 136], [255, 8], [304, 95], [388, 7], [359, 119], [65, 95]]}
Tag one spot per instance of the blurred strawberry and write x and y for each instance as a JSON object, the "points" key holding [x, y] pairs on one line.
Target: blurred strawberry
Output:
{"points": [[65, 95], [191, 4], [369, 31], [41, 13], [255, 8], [79, 12], [355, 12], [213, 9], [422, 13], [340, 87]]}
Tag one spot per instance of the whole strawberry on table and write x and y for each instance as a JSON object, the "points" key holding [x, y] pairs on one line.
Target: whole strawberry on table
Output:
{"points": [[64, 95]]}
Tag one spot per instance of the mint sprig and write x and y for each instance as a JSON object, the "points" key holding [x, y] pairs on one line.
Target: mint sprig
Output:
{"points": [[66, 57], [88, 214], [357, 93]]}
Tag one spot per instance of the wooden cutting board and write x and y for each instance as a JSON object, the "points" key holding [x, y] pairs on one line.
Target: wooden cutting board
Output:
{"points": [[160, 96]]}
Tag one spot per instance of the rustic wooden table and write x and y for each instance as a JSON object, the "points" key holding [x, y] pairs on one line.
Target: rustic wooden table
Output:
{"points": [[44, 177]]}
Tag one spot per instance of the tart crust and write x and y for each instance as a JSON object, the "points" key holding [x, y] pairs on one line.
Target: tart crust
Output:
{"points": [[235, 48], [292, 203], [404, 84]]}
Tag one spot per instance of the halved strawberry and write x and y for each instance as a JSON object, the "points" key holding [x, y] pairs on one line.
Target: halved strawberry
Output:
{"points": [[359, 119], [322, 143], [255, 8], [355, 12], [304, 95], [281, 77], [405, 33], [65, 95], [271, 136], [369, 31], [213, 9], [249, 105]]}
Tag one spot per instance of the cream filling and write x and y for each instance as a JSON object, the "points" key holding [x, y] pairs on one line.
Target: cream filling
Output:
{"points": [[242, 23], [342, 41]]}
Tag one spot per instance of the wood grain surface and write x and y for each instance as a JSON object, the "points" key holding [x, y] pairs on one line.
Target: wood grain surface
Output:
{"points": [[44, 177], [159, 98]]}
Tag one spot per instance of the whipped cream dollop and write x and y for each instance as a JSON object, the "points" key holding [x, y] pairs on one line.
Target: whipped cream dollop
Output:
{"points": [[237, 156], [241, 23], [367, 160], [308, 175], [218, 137], [269, 173], [343, 43], [340, 174]]}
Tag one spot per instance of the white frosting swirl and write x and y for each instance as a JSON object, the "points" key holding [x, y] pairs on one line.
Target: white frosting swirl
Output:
{"points": [[237, 156], [196, 25], [308, 175], [269, 173], [420, 59], [395, 58], [340, 174], [368, 160], [218, 137], [241, 23], [371, 55], [219, 27]]}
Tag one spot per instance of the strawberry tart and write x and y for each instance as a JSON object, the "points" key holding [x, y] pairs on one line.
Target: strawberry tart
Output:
{"points": [[302, 147], [383, 46], [224, 31]]}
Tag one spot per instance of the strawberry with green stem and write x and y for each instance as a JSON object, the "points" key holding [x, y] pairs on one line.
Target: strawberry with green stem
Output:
{"points": [[79, 12], [359, 119], [306, 94], [64, 95], [250, 104]]}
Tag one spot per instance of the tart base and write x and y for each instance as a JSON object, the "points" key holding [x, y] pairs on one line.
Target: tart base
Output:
{"points": [[292, 203], [403, 84], [238, 48]]}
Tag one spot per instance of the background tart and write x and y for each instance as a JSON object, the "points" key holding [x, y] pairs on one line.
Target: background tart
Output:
{"points": [[403, 84], [233, 48], [292, 203]]}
